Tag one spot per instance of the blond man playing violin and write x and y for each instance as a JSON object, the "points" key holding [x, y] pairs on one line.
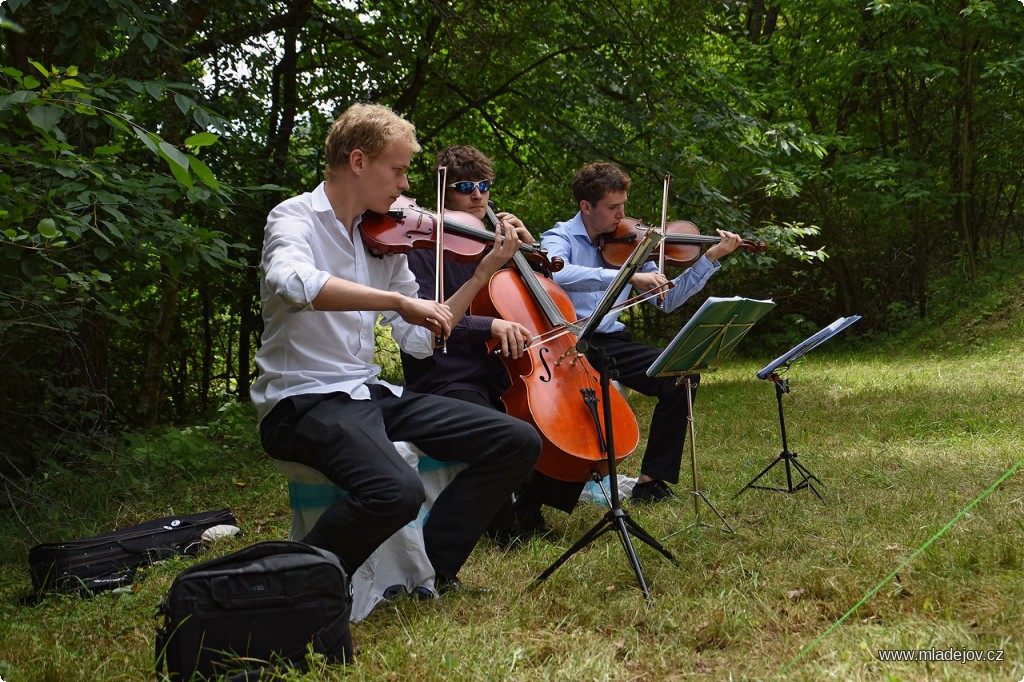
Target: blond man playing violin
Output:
{"points": [[318, 396], [600, 191]]}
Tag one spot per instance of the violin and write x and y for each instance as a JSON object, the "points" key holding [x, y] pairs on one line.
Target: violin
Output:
{"points": [[407, 226], [682, 243]]}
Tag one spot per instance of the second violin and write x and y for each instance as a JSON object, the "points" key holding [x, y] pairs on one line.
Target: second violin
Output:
{"points": [[683, 243]]}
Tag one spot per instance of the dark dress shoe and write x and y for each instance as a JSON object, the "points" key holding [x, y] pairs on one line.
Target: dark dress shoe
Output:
{"points": [[393, 592], [445, 585], [652, 491], [526, 523]]}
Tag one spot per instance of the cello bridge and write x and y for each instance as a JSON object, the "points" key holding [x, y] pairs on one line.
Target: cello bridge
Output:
{"points": [[571, 350]]}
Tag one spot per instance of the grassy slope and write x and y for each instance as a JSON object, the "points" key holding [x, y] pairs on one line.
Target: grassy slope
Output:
{"points": [[904, 436]]}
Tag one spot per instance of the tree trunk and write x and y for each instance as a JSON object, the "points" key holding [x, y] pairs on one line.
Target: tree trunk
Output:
{"points": [[206, 369], [151, 381], [962, 180], [284, 109], [191, 15]]}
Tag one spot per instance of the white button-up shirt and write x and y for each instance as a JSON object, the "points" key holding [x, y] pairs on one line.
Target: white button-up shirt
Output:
{"points": [[314, 351], [585, 277]]}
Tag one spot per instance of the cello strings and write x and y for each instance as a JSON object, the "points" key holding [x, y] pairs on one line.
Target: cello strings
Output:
{"points": [[575, 328]]}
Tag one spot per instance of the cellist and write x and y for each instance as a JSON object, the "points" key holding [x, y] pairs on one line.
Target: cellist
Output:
{"points": [[466, 370], [600, 191]]}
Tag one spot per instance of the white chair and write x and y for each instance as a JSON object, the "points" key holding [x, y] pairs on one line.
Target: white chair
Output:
{"points": [[401, 559]]}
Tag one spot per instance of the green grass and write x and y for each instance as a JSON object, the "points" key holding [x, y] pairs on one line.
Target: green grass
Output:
{"points": [[903, 437]]}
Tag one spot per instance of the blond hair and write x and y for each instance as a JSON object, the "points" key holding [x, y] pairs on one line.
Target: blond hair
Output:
{"points": [[373, 128]]}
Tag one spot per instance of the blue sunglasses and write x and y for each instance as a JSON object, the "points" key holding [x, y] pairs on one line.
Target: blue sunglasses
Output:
{"points": [[466, 186]]}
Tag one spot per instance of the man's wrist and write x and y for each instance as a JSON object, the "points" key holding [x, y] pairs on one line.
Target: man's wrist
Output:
{"points": [[396, 302]]}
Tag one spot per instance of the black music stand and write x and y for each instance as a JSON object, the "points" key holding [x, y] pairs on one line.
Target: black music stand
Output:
{"points": [[701, 345], [807, 479], [616, 518]]}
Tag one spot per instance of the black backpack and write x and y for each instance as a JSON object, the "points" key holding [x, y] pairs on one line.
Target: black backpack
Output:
{"points": [[258, 607], [110, 560]]}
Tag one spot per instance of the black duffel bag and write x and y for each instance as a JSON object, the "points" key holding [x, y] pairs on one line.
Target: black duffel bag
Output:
{"points": [[110, 560], [259, 607]]}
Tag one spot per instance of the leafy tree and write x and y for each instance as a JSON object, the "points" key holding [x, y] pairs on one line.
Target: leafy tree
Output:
{"points": [[92, 227], [912, 181], [885, 136]]}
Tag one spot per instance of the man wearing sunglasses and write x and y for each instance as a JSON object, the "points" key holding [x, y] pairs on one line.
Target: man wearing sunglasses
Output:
{"points": [[467, 371]]}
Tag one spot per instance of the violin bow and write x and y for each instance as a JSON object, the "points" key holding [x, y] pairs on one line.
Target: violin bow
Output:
{"points": [[664, 234], [442, 179], [577, 326]]}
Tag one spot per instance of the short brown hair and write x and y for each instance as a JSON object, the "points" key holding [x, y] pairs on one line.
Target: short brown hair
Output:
{"points": [[372, 128], [595, 180], [464, 163]]}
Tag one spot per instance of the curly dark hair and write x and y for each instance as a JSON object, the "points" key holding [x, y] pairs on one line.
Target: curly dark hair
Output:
{"points": [[464, 163], [595, 180]]}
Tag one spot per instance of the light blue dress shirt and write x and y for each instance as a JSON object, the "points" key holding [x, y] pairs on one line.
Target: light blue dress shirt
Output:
{"points": [[585, 277]]}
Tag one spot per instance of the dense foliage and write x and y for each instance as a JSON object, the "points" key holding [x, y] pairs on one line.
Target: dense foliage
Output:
{"points": [[142, 144]]}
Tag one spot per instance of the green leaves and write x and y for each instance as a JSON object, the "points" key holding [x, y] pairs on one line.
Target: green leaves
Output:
{"points": [[17, 97], [181, 164], [178, 162], [48, 228], [203, 172], [203, 139], [45, 118], [111, 191]]}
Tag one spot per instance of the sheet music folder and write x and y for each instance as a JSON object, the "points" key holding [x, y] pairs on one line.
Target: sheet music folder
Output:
{"points": [[807, 345], [710, 335]]}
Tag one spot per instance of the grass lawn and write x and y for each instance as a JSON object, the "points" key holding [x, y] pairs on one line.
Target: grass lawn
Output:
{"points": [[905, 440]]}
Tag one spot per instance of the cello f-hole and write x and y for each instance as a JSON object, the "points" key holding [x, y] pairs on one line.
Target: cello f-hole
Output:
{"points": [[544, 363]]}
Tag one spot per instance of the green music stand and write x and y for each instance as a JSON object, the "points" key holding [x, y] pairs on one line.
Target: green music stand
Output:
{"points": [[701, 346]]}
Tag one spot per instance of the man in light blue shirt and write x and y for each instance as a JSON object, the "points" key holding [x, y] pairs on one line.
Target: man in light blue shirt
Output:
{"points": [[600, 190]]}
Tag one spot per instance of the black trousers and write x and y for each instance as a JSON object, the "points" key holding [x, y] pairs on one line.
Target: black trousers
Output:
{"points": [[538, 488], [667, 435], [350, 442]]}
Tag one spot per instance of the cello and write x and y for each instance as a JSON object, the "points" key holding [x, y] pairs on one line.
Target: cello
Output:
{"points": [[554, 387]]}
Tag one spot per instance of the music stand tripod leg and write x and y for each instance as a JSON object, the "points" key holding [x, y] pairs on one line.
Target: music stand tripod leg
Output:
{"points": [[615, 519], [790, 458], [637, 530], [645, 537], [603, 526], [697, 493], [808, 478]]}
